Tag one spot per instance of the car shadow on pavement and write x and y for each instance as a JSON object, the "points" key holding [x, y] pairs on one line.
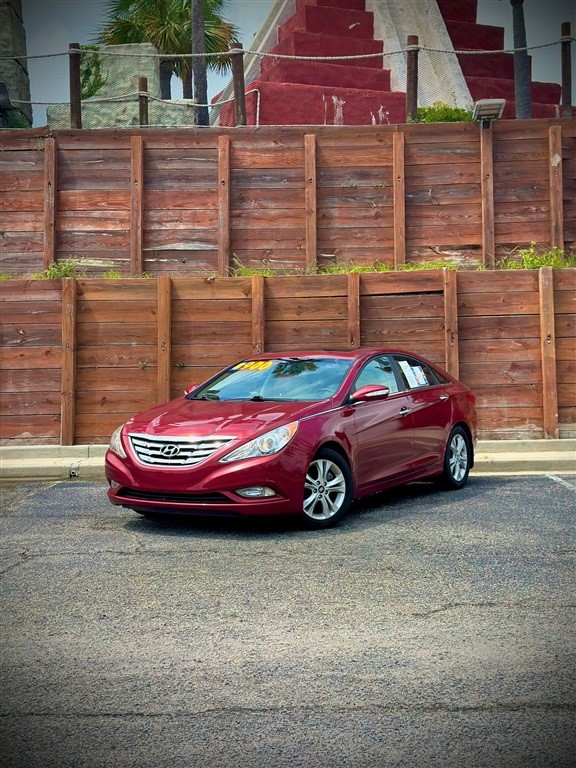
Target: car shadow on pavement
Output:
{"points": [[377, 509]]}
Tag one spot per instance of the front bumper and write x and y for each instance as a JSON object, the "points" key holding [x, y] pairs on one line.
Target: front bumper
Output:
{"points": [[210, 489]]}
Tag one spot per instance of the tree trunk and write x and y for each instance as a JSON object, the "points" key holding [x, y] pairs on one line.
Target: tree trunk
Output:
{"points": [[187, 83], [522, 79], [199, 62], [165, 79]]}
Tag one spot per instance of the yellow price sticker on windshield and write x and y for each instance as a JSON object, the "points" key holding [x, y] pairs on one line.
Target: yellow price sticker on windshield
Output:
{"points": [[253, 365]]}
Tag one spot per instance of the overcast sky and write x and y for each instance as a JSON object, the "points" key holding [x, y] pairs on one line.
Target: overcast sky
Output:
{"points": [[52, 24]]}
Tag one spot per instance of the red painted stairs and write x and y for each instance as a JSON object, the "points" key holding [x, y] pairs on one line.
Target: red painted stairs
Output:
{"points": [[357, 91], [344, 92], [491, 75]]}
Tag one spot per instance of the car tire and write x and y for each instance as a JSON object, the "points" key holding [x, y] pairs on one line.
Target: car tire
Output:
{"points": [[457, 460], [327, 490]]}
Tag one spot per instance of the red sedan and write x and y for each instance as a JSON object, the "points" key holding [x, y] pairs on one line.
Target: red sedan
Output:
{"points": [[301, 434]]}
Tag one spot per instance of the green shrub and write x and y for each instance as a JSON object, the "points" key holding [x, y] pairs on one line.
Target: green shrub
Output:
{"points": [[440, 112], [58, 270]]}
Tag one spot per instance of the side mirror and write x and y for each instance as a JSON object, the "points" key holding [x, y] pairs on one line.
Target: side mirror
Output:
{"points": [[370, 392]]}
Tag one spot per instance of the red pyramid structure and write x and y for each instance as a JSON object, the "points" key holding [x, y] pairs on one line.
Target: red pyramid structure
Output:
{"points": [[357, 91]]}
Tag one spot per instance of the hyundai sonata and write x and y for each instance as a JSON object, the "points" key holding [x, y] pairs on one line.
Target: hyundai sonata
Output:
{"points": [[299, 434]]}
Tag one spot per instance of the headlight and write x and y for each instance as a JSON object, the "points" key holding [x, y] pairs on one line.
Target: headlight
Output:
{"points": [[116, 443], [265, 445]]}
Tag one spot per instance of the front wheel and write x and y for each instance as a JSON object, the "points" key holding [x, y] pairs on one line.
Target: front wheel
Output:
{"points": [[457, 460], [327, 490]]}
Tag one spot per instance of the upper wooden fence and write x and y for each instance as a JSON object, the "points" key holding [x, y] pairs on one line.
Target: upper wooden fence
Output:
{"points": [[79, 357], [198, 201]]}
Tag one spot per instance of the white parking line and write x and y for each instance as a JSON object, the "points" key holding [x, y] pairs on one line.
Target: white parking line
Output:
{"points": [[560, 480]]}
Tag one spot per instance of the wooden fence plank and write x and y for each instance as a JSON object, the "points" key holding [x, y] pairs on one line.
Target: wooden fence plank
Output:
{"points": [[137, 205], [311, 201], [258, 314], [164, 337], [399, 200], [487, 197], [68, 374], [50, 200], [223, 205], [354, 330], [451, 340], [556, 187], [548, 353]]}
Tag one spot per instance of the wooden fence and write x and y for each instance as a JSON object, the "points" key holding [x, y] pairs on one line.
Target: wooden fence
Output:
{"points": [[200, 201], [79, 357]]}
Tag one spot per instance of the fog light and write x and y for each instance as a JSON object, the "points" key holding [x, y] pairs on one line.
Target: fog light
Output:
{"points": [[255, 492], [114, 485]]}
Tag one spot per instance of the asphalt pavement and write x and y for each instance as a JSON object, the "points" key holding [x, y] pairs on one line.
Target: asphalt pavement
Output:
{"points": [[86, 462], [431, 629]]}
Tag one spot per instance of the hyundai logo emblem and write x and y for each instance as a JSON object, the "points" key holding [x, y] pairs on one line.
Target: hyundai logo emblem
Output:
{"points": [[170, 450]]}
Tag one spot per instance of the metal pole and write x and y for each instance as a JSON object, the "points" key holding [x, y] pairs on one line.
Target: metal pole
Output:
{"points": [[566, 52], [143, 100], [75, 92], [412, 79], [239, 86]]}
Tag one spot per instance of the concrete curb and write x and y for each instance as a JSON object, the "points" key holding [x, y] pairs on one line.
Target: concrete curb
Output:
{"points": [[86, 462]]}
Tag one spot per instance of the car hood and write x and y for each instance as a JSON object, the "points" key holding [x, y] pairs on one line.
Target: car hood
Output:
{"points": [[200, 418]]}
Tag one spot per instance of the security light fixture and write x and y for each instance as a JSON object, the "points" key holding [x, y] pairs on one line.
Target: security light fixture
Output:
{"points": [[487, 110]]}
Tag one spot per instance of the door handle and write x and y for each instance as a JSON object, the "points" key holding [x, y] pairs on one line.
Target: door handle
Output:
{"points": [[443, 398], [405, 411]]}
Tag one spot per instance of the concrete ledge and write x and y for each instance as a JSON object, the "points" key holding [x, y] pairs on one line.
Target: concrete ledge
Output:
{"points": [[526, 446], [20, 452], [58, 468], [86, 462], [555, 462]]}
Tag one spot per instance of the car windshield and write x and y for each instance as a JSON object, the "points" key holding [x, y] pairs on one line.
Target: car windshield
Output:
{"points": [[283, 379]]}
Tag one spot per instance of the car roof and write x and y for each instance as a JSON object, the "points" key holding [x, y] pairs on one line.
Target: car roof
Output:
{"points": [[354, 354]]}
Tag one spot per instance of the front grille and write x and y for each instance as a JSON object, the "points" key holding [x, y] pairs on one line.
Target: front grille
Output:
{"points": [[169, 451], [173, 498]]}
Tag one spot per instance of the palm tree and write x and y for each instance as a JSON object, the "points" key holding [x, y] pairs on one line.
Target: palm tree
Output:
{"points": [[167, 24], [522, 81]]}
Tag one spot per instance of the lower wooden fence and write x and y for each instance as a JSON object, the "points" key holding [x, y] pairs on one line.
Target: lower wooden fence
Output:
{"points": [[79, 357]]}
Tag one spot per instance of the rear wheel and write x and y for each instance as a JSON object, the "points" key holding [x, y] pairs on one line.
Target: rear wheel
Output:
{"points": [[327, 490], [457, 460]]}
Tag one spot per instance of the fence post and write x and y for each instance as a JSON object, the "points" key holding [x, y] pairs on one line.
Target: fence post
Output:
{"points": [[412, 79], [399, 193], [143, 101], [238, 78], [50, 200], [68, 369], [310, 196], [136, 204], [451, 340], [354, 319], [75, 91], [258, 314], [223, 205], [487, 198], [548, 352], [556, 185], [566, 53], [164, 300]]}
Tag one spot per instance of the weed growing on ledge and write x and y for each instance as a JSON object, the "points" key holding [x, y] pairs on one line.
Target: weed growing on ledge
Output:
{"points": [[58, 270], [530, 258]]}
